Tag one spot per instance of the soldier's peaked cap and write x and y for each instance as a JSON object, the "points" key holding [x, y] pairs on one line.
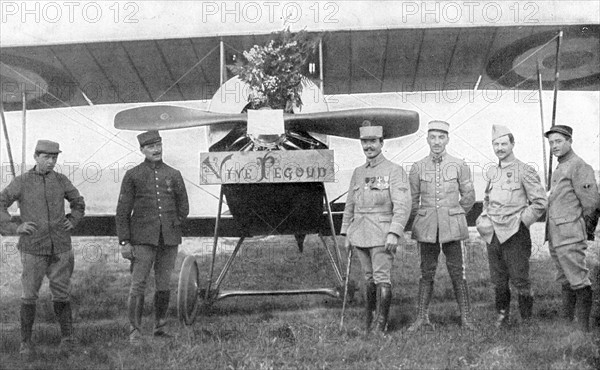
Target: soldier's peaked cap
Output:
{"points": [[149, 137], [47, 146], [560, 129]]}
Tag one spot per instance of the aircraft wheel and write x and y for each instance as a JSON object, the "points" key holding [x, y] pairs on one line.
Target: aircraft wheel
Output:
{"points": [[187, 291]]}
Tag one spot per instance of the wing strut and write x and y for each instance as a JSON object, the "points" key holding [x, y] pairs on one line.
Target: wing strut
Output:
{"points": [[539, 78], [5, 129], [556, 77]]}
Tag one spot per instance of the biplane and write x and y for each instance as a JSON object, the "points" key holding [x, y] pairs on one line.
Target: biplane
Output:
{"points": [[472, 66]]}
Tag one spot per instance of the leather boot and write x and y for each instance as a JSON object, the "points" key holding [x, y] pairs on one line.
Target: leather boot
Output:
{"points": [[26, 349], [583, 307], [461, 291], [64, 316], [425, 293], [384, 300], [525, 306], [136, 308], [569, 297], [502, 307], [371, 303], [161, 305]]}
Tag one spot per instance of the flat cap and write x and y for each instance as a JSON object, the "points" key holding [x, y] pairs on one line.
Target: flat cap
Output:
{"points": [[370, 132], [149, 137], [560, 129], [438, 126], [47, 146], [499, 131]]}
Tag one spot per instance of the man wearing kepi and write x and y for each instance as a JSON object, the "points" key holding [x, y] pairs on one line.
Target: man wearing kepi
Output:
{"points": [[514, 199], [442, 194], [44, 238], [153, 204], [572, 204], [377, 209]]}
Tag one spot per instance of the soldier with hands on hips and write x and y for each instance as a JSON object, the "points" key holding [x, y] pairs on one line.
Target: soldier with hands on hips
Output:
{"points": [[377, 209], [514, 199], [442, 194], [44, 238], [572, 207], [152, 206]]}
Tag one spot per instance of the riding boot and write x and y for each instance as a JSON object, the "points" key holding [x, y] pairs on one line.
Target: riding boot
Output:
{"points": [[384, 300], [161, 305], [583, 308], [26, 349], [461, 291], [502, 307], [425, 293], [371, 303], [569, 298], [136, 308], [525, 306], [64, 316]]}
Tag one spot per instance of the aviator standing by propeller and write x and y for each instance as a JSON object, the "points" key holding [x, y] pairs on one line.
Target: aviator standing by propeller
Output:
{"points": [[261, 204]]}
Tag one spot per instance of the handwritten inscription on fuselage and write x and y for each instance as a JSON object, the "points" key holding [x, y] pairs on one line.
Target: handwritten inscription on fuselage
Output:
{"points": [[266, 167]]}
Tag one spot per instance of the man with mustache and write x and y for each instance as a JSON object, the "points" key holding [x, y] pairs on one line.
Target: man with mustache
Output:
{"points": [[44, 239], [442, 194], [572, 206], [514, 199], [377, 209], [153, 204]]}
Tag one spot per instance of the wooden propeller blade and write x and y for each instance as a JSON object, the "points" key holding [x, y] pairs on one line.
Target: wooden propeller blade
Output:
{"points": [[346, 123], [168, 117]]}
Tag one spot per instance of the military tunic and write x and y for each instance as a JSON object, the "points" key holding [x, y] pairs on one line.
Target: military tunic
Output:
{"points": [[514, 195], [378, 203], [573, 198], [514, 200], [152, 207], [153, 200], [442, 195]]}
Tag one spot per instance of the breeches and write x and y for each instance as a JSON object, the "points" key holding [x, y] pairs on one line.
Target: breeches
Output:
{"points": [[454, 260], [510, 261], [570, 264], [376, 264], [161, 257], [58, 267]]}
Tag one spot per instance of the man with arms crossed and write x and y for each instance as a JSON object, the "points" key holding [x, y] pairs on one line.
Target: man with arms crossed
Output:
{"points": [[572, 204], [377, 209], [442, 194]]}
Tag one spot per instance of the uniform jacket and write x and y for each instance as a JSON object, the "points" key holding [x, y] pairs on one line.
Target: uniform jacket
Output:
{"points": [[573, 199], [442, 195], [41, 200], [515, 194], [378, 203], [153, 199]]}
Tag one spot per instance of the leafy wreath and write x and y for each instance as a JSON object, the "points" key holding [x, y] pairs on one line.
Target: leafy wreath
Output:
{"points": [[274, 71]]}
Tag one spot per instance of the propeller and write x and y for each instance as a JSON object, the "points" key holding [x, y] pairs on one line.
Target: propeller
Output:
{"points": [[344, 123]]}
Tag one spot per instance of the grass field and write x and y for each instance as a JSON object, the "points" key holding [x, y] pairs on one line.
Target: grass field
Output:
{"points": [[293, 332]]}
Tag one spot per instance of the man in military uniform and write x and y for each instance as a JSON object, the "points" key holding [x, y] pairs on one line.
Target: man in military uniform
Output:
{"points": [[377, 209], [572, 205], [442, 194], [514, 199], [44, 238], [152, 206]]}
